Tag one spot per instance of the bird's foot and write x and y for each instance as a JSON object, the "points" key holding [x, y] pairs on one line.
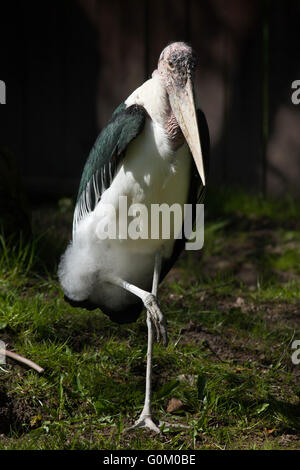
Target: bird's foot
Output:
{"points": [[157, 317], [145, 421]]}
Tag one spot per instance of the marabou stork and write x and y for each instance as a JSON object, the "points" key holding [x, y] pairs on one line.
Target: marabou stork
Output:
{"points": [[144, 153]]}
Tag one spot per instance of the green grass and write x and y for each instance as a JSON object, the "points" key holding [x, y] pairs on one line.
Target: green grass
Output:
{"points": [[232, 310], [229, 201]]}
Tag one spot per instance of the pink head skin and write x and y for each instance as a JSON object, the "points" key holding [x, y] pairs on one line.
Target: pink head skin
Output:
{"points": [[176, 67], [176, 64]]}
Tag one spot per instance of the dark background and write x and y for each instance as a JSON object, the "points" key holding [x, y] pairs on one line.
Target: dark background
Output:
{"points": [[67, 64]]}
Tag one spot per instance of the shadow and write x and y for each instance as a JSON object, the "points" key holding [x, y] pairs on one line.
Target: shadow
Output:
{"points": [[67, 65], [49, 64]]}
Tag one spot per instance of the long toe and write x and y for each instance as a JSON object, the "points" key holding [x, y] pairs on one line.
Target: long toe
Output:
{"points": [[157, 317], [145, 422]]}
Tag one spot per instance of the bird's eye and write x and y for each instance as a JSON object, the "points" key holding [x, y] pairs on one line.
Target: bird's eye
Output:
{"points": [[171, 64]]}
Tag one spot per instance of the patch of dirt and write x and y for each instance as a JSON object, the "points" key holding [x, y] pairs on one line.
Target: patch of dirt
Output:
{"points": [[288, 439], [247, 273], [284, 312], [248, 258], [224, 347], [217, 344], [15, 415]]}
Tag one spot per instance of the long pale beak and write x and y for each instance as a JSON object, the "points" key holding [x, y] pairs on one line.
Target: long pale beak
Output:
{"points": [[183, 106]]}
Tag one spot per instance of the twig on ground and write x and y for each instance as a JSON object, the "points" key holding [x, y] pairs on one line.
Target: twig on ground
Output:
{"points": [[17, 357]]}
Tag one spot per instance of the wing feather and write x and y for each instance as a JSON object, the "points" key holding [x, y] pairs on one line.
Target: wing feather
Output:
{"points": [[102, 163]]}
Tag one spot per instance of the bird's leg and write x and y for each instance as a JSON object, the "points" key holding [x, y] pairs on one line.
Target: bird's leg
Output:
{"points": [[146, 420], [154, 317], [152, 305], [149, 299]]}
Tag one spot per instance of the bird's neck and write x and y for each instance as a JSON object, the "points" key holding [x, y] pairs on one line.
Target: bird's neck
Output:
{"points": [[153, 96], [173, 131], [169, 121]]}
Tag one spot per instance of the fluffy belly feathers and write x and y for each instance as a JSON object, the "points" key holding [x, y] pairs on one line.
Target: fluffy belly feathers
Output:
{"points": [[146, 176]]}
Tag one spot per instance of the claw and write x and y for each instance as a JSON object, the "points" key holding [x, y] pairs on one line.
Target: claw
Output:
{"points": [[157, 318]]}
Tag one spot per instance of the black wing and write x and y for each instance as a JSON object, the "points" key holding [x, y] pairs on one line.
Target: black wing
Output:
{"points": [[105, 156], [197, 190]]}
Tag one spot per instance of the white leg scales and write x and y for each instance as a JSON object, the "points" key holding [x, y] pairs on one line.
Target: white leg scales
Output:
{"points": [[155, 318], [146, 420]]}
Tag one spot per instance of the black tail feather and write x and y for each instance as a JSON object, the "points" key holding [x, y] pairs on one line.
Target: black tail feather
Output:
{"points": [[127, 315]]}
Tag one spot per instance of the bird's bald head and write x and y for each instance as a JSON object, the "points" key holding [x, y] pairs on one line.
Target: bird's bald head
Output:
{"points": [[177, 62]]}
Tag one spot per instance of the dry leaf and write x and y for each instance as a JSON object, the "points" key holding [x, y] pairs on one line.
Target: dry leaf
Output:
{"points": [[174, 405]]}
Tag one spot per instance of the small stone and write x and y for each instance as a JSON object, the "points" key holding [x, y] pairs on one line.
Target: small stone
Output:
{"points": [[174, 405]]}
